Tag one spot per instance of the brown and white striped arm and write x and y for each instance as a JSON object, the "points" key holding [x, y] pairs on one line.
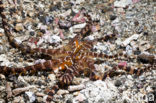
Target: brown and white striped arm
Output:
{"points": [[104, 56], [48, 66], [51, 92], [128, 69]]}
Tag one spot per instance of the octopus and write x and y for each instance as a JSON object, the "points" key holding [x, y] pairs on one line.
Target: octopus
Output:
{"points": [[74, 59]]}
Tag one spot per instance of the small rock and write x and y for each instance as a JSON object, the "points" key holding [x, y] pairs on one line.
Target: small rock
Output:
{"points": [[149, 89], [128, 40], [42, 19], [20, 84], [40, 61], [1, 34], [144, 46], [134, 87], [31, 13], [85, 101], [122, 3], [40, 94], [69, 101], [2, 77], [122, 64], [136, 23], [19, 27], [140, 85], [142, 78], [154, 87], [55, 39], [1, 30], [62, 92], [112, 17], [43, 31], [117, 83], [76, 87], [129, 50], [66, 13], [39, 99], [118, 41], [31, 96], [8, 90], [55, 7], [32, 33], [145, 33], [64, 24], [130, 77], [12, 78], [39, 82], [101, 47], [52, 77], [101, 100], [140, 29], [76, 93], [80, 97], [17, 99], [75, 27], [137, 52], [49, 19], [90, 37], [2, 49]]}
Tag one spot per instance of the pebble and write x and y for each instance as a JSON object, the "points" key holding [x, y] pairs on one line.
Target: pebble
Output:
{"points": [[75, 27], [76, 87], [18, 99], [69, 101], [1, 34], [112, 17], [80, 97], [77, 81], [142, 78], [145, 33], [40, 99], [101, 47], [2, 49], [49, 20], [40, 94], [129, 50], [53, 8], [128, 40], [117, 83], [122, 3], [31, 96], [42, 19], [2, 77], [62, 92], [31, 13], [52, 77], [19, 27], [55, 39], [32, 33], [137, 52], [136, 23]]}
